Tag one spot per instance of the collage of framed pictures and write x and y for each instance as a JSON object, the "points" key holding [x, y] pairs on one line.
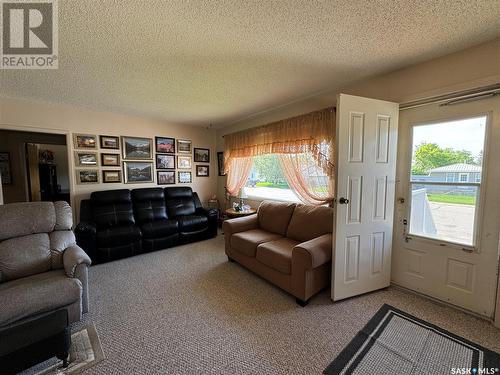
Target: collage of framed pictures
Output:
{"points": [[165, 160], [84, 158], [173, 159]]}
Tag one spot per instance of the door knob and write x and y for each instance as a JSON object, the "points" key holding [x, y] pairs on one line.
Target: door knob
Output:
{"points": [[343, 200]]}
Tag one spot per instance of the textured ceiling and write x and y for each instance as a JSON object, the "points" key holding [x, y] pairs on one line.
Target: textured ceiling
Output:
{"points": [[201, 62]]}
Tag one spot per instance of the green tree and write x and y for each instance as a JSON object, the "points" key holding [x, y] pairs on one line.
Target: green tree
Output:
{"points": [[428, 156], [268, 168]]}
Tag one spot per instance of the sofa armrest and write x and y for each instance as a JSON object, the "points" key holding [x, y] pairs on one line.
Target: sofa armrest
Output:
{"points": [[240, 224], [313, 253], [86, 237], [213, 219], [73, 256]]}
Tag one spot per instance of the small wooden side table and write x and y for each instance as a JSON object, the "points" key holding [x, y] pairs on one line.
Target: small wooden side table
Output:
{"points": [[232, 213]]}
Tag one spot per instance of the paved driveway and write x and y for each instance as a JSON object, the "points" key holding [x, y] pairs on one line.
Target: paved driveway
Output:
{"points": [[454, 222]]}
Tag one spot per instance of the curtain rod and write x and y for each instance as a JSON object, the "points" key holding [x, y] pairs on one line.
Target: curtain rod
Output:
{"points": [[455, 97]]}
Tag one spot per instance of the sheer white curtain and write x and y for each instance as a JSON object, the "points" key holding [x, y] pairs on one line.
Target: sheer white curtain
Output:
{"points": [[307, 179], [237, 174]]}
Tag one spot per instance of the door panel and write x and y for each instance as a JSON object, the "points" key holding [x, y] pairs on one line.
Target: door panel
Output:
{"points": [[366, 160], [452, 273]]}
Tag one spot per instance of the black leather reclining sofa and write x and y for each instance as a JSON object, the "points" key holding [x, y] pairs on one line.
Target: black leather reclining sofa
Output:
{"points": [[120, 223]]}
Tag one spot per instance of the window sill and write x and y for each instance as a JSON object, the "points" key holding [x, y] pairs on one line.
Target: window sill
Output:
{"points": [[272, 194]]}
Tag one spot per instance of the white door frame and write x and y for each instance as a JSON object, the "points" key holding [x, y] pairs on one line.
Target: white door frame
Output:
{"points": [[487, 240]]}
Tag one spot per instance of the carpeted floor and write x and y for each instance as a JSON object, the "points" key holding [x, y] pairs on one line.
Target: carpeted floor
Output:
{"points": [[187, 310]]}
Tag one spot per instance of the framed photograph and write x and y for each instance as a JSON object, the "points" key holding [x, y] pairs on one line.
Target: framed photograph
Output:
{"points": [[202, 171], [87, 176], [111, 176], [165, 145], [137, 148], [220, 163], [165, 177], [86, 159], [184, 162], [85, 141], [184, 177], [201, 155], [138, 171], [165, 161], [110, 160], [5, 168], [109, 142], [183, 146]]}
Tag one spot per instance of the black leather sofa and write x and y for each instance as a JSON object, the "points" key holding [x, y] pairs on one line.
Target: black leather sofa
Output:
{"points": [[120, 223]]}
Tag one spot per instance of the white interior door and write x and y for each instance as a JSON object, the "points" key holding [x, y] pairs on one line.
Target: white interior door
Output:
{"points": [[366, 165]]}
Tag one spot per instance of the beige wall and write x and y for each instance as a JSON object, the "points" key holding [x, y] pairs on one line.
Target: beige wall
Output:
{"points": [[476, 66], [26, 115]]}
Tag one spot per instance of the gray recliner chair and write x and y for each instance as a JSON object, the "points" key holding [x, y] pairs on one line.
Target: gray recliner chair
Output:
{"points": [[41, 267]]}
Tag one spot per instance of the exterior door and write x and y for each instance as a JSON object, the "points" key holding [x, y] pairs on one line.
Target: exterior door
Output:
{"points": [[446, 234], [366, 165]]}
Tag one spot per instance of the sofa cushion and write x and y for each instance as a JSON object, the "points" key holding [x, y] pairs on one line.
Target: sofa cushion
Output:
{"points": [[247, 242], [192, 223], [21, 219], [275, 216], [112, 208], [159, 229], [118, 236], [309, 222], [180, 201], [24, 256], [149, 205], [36, 294], [277, 254]]}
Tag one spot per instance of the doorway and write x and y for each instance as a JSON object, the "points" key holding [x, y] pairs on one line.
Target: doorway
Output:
{"points": [[38, 168], [448, 207]]}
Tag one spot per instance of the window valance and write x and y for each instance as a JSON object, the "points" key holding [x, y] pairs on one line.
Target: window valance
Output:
{"points": [[312, 133]]}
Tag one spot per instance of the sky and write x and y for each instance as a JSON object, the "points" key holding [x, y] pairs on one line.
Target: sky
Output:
{"points": [[465, 134]]}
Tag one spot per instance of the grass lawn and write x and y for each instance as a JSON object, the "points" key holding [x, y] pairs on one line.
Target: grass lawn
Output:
{"points": [[271, 185], [456, 199]]}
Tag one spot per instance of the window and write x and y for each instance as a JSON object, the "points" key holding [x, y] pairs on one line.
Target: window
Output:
{"points": [[443, 208], [267, 181]]}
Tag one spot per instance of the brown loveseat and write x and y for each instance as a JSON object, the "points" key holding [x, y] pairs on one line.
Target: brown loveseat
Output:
{"points": [[288, 244]]}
